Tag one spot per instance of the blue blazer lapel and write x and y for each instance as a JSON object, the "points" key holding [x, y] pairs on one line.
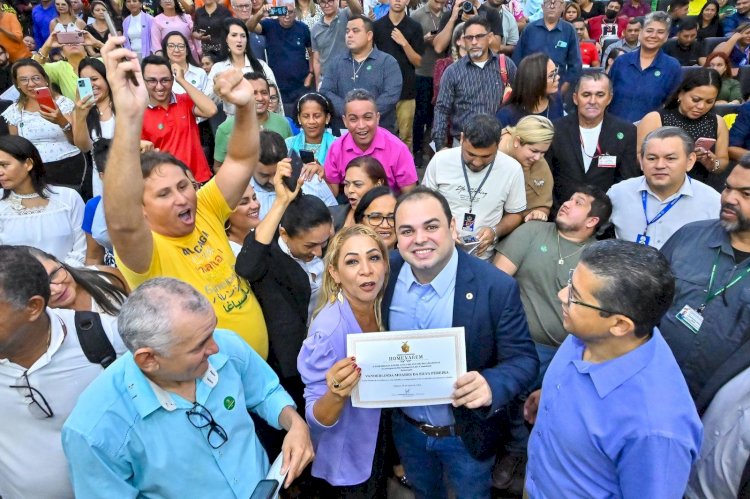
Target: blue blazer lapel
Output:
{"points": [[465, 298]]}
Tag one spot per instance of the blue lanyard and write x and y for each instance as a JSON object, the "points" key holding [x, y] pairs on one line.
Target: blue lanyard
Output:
{"points": [[644, 198]]}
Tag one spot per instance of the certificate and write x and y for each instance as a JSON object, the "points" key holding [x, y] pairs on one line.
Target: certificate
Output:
{"points": [[407, 368]]}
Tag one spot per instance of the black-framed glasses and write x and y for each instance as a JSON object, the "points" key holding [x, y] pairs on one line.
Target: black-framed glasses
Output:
{"points": [[38, 405], [58, 275], [581, 303], [479, 37], [176, 46], [554, 73], [152, 82], [200, 417], [376, 219]]}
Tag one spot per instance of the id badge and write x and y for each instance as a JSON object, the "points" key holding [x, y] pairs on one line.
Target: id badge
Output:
{"points": [[469, 219], [690, 318], [642, 239], [561, 45], [607, 162]]}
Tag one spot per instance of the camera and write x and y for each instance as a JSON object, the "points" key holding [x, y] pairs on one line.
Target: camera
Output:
{"points": [[467, 7]]}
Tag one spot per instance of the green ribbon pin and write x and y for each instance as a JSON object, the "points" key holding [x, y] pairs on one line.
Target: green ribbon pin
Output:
{"points": [[229, 403]]}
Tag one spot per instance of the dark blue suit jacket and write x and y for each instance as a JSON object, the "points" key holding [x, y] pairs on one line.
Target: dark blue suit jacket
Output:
{"points": [[488, 306]]}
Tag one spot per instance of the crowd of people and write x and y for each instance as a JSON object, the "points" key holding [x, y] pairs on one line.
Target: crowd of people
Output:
{"points": [[201, 200]]}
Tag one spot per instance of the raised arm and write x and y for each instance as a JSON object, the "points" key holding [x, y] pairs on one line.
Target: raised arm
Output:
{"points": [[123, 182], [244, 143], [204, 106]]}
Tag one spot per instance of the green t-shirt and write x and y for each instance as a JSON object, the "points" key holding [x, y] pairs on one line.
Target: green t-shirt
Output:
{"points": [[533, 249], [61, 73], [274, 123]]}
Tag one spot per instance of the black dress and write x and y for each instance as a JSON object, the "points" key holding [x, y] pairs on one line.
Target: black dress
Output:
{"points": [[706, 126]]}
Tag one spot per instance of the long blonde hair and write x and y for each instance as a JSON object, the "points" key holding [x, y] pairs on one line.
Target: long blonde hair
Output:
{"points": [[329, 290], [532, 129]]}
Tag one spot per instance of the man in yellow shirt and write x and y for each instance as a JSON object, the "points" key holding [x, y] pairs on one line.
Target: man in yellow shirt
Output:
{"points": [[159, 225]]}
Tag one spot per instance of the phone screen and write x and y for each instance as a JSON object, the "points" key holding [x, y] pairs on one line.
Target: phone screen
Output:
{"points": [[291, 181], [265, 489], [307, 156]]}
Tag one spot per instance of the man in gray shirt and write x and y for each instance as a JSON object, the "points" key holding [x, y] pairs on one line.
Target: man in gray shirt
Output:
{"points": [[628, 42], [327, 35]]}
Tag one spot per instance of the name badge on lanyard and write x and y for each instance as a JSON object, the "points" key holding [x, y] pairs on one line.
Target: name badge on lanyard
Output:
{"points": [[607, 162]]}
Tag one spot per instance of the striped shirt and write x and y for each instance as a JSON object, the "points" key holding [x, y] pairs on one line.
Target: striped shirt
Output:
{"points": [[465, 90]]}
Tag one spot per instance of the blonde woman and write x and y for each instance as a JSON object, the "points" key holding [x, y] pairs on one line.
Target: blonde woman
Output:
{"points": [[527, 142], [349, 442]]}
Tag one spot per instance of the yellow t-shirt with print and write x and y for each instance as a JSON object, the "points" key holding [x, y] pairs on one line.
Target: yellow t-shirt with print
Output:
{"points": [[204, 260]]}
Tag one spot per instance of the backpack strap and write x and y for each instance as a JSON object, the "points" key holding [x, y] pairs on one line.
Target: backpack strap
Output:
{"points": [[94, 342], [503, 69]]}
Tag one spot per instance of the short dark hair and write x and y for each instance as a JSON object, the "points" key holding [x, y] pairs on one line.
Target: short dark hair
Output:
{"points": [[482, 130], [687, 24], [676, 4], [155, 60], [272, 148], [478, 21], [636, 20], [601, 206], [371, 166], [152, 159], [594, 76], [421, 191], [323, 101], [616, 1], [369, 26], [368, 198], [21, 277], [100, 152], [305, 213], [22, 150], [255, 76], [359, 94], [637, 281]]}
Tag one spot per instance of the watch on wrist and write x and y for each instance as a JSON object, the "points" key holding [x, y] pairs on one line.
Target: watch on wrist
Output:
{"points": [[717, 164], [67, 127]]}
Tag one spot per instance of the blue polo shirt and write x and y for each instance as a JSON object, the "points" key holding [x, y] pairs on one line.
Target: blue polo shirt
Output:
{"points": [[559, 43], [130, 438], [638, 91], [40, 18], [622, 428], [739, 134], [287, 51]]}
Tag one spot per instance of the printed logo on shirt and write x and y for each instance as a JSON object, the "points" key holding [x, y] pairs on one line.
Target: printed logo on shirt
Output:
{"points": [[229, 403], [543, 248]]}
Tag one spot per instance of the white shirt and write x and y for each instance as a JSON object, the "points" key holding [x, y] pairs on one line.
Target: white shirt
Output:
{"points": [[314, 187], [55, 229], [48, 138], [196, 77], [589, 144], [108, 131], [700, 202], [314, 270], [134, 33], [503, 191], [726, 442], [32, 463], [221, 66]]}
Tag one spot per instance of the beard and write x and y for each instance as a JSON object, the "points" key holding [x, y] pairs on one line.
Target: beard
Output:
{"points": [[740, 225]]}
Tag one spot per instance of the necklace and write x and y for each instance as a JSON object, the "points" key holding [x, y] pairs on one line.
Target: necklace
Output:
{"points": [[16, 201], [356, 71], [562, 259]]}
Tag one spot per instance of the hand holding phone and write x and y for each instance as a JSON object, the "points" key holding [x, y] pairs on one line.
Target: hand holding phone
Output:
{"points": [[307, 156], [84, 88], [705, 143], [70, 38], [44, 98], [297, 165], [113, 32]]}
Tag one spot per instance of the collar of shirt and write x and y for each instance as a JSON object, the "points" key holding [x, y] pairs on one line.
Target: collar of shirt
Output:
{"points": [[657, 64], [378, 142], [467, 60], [172, 100], [609, 375], [442, 283], [374, 55], [147, 396], [686, 189], [540, 24], [313, 267], [57, 335]]}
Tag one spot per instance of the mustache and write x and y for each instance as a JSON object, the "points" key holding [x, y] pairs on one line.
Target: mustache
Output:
{"points": [[732, 208]]}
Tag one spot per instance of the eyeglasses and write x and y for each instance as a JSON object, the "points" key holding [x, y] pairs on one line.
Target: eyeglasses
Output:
{"points": [[324, 2], [471, 38], [176, 46], [376, 219], [551, 3], [152, 82], [243, 7], [274, 97], [583, 304], [200, 417], [58, 275], [38, 406], [26, 81], [554, 73]]}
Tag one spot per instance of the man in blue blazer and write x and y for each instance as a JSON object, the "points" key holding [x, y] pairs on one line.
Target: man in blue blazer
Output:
{"points": [[435, 285]]}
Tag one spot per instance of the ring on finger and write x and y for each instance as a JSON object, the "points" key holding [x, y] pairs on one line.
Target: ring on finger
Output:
{"points": [[335, 383]]}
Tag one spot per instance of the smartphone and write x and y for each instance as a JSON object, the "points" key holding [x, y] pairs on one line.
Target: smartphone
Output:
{"points": [[705, 143], [266, 489], [278, 11], [84, 88], [70, 38], [291, 181], [44, 97], [307, 156], [113, 32], [470, 239]]}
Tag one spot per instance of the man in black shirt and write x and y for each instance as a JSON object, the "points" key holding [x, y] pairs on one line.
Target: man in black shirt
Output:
{"points": [[458, 15], [400, 36], [685, 47]]}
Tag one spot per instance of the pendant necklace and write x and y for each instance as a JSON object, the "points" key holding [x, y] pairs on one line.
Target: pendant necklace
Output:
{"points": [[356, 71], [562, 259]]}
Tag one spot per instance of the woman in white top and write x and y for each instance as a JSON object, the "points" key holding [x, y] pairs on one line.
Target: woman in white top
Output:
{"points": [[244, 218], [177, 50], [50, 130], [137, 29], [33, 213], [66, 19], [84, 289], [172, 17], [236, 52]]}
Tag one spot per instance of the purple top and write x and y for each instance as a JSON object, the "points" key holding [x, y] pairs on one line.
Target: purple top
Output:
{"points": [[146, 23], [344, 450]]}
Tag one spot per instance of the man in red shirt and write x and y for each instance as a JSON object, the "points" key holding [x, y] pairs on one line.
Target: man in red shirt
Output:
{"points": [[610, 25], [589, 49], [169, 122]]}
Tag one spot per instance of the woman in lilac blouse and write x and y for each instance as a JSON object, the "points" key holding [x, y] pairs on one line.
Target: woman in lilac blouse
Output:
{"points": [[349, 442]]}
